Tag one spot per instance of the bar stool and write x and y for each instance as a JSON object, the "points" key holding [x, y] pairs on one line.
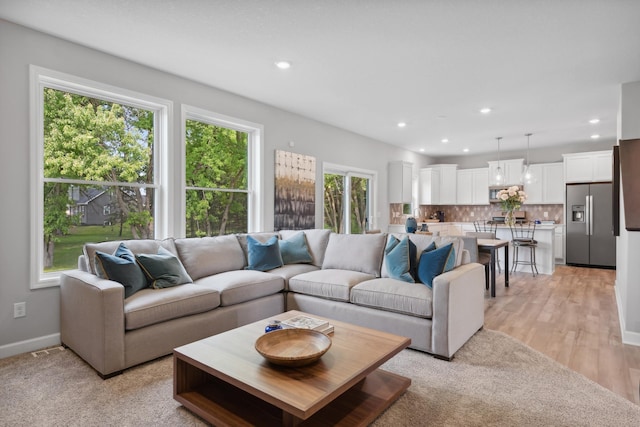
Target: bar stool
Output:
{"points": [[522, 236], [486, 229]]}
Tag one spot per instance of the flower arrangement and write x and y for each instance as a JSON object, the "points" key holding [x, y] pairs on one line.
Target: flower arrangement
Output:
{"points": [[511, 198]]}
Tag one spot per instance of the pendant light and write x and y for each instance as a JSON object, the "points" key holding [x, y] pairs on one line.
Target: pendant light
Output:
{"points": [[499, 176], [527, 174]]}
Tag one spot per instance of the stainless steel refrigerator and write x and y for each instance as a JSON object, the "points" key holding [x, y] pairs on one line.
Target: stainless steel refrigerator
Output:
{"points": [[590, 239]]}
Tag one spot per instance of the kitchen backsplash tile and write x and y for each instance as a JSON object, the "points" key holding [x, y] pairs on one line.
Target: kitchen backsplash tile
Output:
{"points": [[463, 213]]}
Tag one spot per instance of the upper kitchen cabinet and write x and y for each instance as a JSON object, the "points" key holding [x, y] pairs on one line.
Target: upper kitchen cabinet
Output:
{"points": [[472, 187], [511, 169], [400, 181], [438, 185], [594, 166], [548, 185]]}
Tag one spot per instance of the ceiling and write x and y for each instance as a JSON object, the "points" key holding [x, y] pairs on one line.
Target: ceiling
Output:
{"points": [[546, 67]]}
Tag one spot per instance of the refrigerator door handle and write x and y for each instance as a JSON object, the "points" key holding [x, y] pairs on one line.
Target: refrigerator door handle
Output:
{"points": [[587, 215], [590, 215]]}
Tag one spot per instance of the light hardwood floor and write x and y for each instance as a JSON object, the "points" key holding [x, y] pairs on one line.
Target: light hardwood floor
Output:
{"points": [[572, 317]]}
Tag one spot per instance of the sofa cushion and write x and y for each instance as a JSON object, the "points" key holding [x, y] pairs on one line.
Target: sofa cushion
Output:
{"points": [[150, 306], [421, 242], [435, 262], [144, 246], [356, 252], [263, 256], [294, 250], [210, 255], [244, 245], [317, 240], [163, 270], [457, 243], [121, 267], [242, 285], [413, 299], [288, 271], [398, 256], [328, 283]]}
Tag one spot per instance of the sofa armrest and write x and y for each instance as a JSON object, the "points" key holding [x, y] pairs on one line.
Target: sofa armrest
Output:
{"points": [[458, 308], [92, 320]]}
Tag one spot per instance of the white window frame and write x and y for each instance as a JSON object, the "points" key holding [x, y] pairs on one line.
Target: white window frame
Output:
{"points": [[348, 172], [255, 159], [164, 168]]}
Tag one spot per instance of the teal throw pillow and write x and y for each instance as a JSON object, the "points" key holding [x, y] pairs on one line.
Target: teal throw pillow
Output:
{"points": [[121, 267], [435, 262], [398, 260], [263, 256], [294, 250], [163, 270]]}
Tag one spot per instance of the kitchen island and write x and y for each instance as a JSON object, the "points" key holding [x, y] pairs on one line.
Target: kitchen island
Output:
{"points": [[545, 253]]}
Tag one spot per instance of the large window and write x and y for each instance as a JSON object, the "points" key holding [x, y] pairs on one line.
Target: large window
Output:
{"points": [[106, 168], [348, 199], [95, 149], [221, 179]]}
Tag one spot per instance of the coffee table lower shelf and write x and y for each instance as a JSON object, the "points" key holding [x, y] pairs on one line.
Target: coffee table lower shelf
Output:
{"points": [[223, 404]]}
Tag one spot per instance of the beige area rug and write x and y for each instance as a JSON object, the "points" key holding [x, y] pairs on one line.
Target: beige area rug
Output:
{"points": [[494, 380]]}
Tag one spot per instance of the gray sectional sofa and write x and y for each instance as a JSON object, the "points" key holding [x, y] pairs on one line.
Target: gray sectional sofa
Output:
{"points": [[345, 278]]}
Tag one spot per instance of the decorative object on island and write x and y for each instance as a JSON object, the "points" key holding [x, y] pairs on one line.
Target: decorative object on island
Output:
{"points": [[511, 199], [527, 175], [499, 177], [295, 191], [411, 225]]}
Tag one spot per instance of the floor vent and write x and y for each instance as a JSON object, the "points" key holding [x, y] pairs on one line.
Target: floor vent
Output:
{"points": [[47, 351]]}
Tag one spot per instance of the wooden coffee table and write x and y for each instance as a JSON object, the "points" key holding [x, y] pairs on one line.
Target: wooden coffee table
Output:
{"points": [[227, 382]]}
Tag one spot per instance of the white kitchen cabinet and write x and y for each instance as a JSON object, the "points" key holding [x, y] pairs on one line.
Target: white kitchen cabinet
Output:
{"points": [[438, 185], [400, 180], [558, 244], [472, 187], [553, 183], [548, 186], [511, 170], [592, 166]]}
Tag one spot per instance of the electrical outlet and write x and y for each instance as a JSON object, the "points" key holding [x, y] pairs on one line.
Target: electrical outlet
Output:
{"points": [[19, 309], [473, 213], [545, 214]]}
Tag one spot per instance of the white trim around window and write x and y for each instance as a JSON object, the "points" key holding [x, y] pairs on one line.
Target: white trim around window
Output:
{"points": [[255, 160], [164, 163], [348, 171]]}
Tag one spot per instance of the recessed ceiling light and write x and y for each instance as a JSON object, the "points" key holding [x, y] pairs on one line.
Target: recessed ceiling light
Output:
{"points": [[596, 136], [445, 141], [283, 65], [422, 150], [465, 150], [401, 124], [594, 121], [485, 110]]}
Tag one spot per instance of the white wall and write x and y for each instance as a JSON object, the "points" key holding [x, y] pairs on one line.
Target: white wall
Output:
{"points": [[20, 47], [628, 244]]}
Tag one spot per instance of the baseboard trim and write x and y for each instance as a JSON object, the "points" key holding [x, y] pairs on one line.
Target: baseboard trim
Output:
{"points": [[26, 346], [628, 337]]}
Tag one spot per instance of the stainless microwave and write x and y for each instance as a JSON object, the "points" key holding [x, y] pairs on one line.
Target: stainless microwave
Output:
{"points": [[493, 192]]}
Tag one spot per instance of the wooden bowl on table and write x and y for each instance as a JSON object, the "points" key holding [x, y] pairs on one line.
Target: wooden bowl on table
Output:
{"points": [[293, 347]]}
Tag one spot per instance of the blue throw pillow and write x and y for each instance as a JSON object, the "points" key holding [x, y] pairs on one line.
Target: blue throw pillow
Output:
{"points": [[263, 256], [121, 267], [294, 250], [398, 260], [163, 270], [435, 262]]}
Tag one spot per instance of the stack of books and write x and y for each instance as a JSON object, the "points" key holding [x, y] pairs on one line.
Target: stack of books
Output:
{"points": [[307, 322]]}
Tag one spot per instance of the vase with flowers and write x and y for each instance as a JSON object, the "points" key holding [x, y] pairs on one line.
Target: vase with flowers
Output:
{"points": [[511, 199]]}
